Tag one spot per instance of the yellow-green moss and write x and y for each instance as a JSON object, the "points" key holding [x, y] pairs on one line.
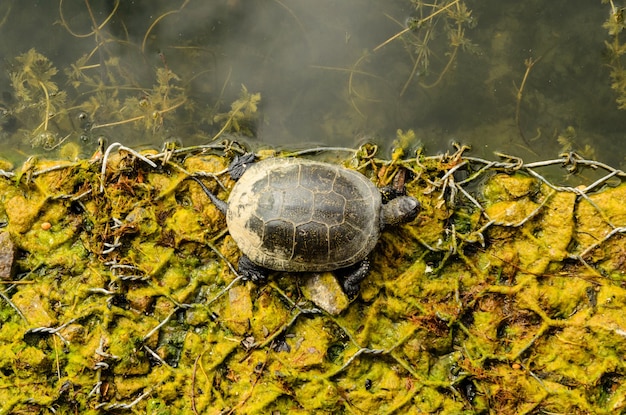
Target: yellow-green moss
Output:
{"points": [[452, 318]]}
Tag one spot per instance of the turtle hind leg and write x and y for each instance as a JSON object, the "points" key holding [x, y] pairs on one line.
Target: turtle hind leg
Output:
{"points": [[251, 271], [240, 164], [356, 274]]}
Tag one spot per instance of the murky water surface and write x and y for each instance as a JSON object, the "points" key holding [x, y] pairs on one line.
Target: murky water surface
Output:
{"points": [[530, 78]]}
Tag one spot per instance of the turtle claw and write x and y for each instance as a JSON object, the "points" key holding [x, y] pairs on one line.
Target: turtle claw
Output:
{"points": [[251, 271], [352, 281], [352, 290], [240, 164]]}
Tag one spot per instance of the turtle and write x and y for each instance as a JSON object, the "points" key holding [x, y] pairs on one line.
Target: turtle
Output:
{"points": [[301, 215]]}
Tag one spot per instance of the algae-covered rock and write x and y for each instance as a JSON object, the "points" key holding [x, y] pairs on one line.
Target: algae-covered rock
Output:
{"points": [[238, 312], [309, 344], [186, 226], [546, 219], [503, 187], [33, 303], [31, 359], [596, 219], [23, 212], [317, 395]]}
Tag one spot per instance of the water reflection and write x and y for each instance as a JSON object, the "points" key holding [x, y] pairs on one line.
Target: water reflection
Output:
{"points": [[328, 72]]}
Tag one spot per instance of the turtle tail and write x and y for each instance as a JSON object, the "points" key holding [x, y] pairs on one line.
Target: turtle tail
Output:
{"points": [[219, 203]]}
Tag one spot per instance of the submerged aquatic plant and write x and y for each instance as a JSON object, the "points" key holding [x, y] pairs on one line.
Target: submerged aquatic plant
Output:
{"points": [[106, 92], [430, 20], [432, 38], [147, 110], [242, 115], [615, 49], [38, 95]]}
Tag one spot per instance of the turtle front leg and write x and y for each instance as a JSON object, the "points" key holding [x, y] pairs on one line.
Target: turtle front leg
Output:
{"points": [[356, 274], [240, 164], [251, 271]]}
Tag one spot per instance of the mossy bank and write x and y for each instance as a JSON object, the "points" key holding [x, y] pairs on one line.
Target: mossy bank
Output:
{"points": [[505, 295]]}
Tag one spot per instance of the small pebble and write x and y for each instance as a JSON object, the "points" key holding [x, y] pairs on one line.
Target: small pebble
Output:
{"points": [[325, 291], [7, 256]]}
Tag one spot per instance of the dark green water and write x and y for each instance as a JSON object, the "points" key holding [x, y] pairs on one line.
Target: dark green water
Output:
{"points": [[323, 76]]}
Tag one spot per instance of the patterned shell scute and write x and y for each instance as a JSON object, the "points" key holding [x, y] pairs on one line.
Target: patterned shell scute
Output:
{"points": [[303, 215]]}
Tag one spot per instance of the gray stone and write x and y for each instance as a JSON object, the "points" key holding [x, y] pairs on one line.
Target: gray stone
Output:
{"points": [[325, 292], [7, 257]]}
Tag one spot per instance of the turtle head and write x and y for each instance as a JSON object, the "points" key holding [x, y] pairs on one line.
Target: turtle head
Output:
{"points": [[399, 210]]}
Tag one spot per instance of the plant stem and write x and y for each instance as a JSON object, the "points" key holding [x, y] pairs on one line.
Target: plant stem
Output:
{"points": [[47, 115]]}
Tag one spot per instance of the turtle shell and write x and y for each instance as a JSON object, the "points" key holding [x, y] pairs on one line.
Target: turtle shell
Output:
{"points": [[302, 215]]}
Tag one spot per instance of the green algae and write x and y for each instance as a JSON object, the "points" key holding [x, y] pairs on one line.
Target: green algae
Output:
{"points": [[517, 308]]}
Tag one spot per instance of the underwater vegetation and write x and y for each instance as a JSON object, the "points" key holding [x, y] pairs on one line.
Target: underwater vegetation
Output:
{"points": [[431, 38], [430, 20], [131, 80], [103, 93], [615, 49]]}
